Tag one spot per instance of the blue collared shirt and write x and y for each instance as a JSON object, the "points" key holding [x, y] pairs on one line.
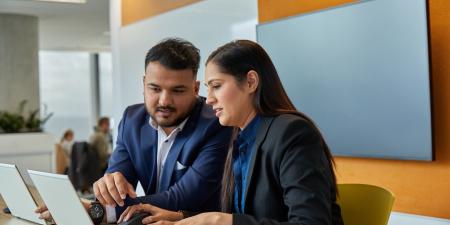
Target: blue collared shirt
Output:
{"points": [[242, 154]]}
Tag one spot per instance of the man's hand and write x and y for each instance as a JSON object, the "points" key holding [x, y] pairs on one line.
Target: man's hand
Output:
{"points": [[113, 188]]}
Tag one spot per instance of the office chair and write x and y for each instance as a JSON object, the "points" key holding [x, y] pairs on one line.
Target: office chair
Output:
{"points": [[363, 204], [84, 168]]}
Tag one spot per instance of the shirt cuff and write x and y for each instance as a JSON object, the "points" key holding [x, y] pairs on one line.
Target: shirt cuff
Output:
{"points": [[110, 214]]}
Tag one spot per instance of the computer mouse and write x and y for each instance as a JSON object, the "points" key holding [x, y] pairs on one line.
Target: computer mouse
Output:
{"points": [[136, 219]]}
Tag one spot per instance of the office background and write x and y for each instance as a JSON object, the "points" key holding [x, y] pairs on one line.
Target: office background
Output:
{"points": [[421, 188]]}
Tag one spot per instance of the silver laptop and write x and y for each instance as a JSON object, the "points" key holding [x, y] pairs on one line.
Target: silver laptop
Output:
{"points": [[16, 194], [61, 198]]}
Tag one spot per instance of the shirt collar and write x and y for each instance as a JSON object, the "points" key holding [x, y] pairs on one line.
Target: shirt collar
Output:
{"points": [[249, 133], [155, 126]]}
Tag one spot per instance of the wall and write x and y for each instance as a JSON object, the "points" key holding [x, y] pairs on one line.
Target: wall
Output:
{"points": [[269, 10], [135, 10], [207, 24], [19, 75], [420, 187]]}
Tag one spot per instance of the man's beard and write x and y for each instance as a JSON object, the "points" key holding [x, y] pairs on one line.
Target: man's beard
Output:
{"points": [[175, 122]]}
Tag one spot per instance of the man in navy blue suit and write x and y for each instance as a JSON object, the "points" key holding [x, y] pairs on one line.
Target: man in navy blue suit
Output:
{"points": [[173, 144]]}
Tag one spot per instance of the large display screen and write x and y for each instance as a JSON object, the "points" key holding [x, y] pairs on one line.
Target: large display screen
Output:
{"points": [[361, 72]]}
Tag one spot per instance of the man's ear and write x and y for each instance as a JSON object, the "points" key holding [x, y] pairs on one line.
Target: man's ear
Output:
{"points": [[197, 87], [252, 81]]}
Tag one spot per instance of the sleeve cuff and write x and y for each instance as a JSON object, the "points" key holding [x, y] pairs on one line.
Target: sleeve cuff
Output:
{"points": [[110, 214]]}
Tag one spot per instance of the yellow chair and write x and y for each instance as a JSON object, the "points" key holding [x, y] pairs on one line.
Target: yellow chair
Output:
{"points": [[61, 158], [363, 204]]}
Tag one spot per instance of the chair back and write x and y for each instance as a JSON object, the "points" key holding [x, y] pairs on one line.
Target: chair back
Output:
{"points": [[61, 159], [84, 168], [364, 204]]}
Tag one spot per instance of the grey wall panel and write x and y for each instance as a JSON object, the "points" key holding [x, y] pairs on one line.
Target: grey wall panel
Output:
{"points": [[361, 71]]}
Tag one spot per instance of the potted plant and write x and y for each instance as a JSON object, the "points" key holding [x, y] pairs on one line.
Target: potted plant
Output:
{"points": [[22, 141], [18, 122]]}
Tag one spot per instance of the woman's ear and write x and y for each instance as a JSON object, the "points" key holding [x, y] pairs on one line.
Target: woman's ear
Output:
{"points": [[252, 81]]}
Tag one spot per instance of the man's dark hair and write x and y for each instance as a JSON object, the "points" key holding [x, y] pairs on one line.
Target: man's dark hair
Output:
{"points": [[175, 54], [102, 120]]}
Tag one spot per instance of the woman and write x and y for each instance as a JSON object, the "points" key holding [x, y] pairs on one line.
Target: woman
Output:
{"points": [[67, 141], [280, 170]]}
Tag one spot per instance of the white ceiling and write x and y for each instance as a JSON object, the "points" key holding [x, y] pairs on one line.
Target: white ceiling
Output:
{"points": [[67, 26]]}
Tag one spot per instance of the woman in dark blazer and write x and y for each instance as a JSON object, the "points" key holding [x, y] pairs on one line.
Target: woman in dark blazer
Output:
{"points": [[279, 169]]}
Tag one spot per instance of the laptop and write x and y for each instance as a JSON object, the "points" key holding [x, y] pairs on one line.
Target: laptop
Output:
{"points": [[16, 194], [61, 198]]}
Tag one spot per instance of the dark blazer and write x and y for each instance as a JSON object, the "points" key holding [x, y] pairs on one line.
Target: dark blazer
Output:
{"points": [[290, 180], [193, 169]]}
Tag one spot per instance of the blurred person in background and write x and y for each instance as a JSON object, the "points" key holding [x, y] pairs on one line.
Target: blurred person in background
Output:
{"points": [[66, 143], [101, 141]]}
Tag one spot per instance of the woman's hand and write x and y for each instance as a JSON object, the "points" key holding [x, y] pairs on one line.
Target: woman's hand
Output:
{"points": [[210, 218], [157, 214], [43, 212]]}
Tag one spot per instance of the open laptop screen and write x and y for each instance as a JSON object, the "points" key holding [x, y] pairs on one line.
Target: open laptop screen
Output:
{"points": [[16, 194], [61, 198]]}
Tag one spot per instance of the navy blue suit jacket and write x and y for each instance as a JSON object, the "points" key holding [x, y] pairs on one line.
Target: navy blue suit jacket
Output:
{"points": [[201, 147]]}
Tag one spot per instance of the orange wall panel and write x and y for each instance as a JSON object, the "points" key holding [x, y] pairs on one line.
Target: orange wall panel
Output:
{"points": [[420, 187], [269, 10], [136, 10]]}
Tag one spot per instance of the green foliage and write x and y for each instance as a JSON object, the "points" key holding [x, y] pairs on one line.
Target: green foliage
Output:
{"points": [[18, 122], [11, 122]]}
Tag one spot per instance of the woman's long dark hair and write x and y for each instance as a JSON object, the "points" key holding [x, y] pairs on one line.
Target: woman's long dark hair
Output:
{"points": [[237, 58]]}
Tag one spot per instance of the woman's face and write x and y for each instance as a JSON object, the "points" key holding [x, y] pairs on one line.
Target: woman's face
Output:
{"points": [[231, 101]]}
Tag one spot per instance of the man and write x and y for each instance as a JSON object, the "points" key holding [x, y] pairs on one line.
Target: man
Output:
{"points": [[173, 144], [101, 141]]}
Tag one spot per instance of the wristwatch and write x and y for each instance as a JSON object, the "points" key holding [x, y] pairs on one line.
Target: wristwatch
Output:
{"points": [[96, 212]]}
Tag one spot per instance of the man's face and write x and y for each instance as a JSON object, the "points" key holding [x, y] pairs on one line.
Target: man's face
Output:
{"points": [[105, 127], [169, 95]]}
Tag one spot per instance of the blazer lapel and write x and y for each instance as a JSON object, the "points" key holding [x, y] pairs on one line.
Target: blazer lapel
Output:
{"points": [[260, 137], [177, 145], [149, 145], [171, 160]]}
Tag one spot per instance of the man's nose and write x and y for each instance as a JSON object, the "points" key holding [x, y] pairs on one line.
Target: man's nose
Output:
{"points": [[165, 99]]}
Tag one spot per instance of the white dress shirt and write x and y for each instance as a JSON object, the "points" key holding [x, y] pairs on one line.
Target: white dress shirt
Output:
{"points": [[165, 142]]}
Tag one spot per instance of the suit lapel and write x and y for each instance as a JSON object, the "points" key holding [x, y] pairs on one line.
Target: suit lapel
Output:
{"points": [[149, 145], [260, 137], [171, 160], [177, 145]]}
